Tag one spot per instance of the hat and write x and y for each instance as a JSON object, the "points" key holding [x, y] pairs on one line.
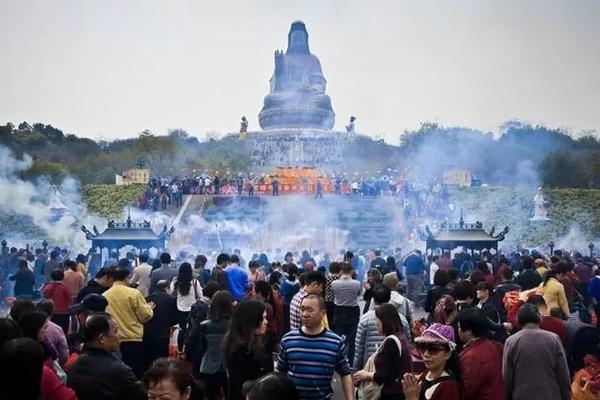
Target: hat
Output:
{"points": [[92, 302], [438, 333]]}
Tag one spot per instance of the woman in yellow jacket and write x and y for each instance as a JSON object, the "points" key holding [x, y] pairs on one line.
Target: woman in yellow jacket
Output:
{"points": [[554, 292]]}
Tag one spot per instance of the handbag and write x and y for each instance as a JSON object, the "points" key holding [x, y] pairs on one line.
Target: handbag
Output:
{"points": [[371, 390]]}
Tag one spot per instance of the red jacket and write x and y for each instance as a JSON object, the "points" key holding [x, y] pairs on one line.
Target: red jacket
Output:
{"points": [[481, 366], [60, 294]]}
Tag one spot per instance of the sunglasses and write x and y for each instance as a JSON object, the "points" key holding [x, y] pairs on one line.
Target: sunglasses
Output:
{"points": [[431, 348]]}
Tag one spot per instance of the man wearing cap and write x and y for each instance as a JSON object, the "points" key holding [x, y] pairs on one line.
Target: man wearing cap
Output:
{"points": [[90, 304], [130, 310]]}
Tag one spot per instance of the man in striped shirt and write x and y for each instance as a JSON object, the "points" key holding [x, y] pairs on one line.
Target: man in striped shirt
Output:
{"points": [[312, 354], [313, 283]]}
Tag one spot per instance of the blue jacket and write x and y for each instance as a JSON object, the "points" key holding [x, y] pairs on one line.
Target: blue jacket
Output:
{"points": [[237, 279]]}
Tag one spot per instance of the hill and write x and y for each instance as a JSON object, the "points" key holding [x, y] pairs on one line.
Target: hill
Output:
{"points": [[522, 154]]}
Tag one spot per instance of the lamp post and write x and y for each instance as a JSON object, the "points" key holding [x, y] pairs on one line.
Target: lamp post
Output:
{"points": [[551, 245], [591, 247]]}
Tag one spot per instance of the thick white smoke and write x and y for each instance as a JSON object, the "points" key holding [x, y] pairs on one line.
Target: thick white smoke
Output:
{"points": [[30, 201]]}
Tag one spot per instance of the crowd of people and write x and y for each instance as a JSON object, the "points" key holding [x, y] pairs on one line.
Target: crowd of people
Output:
{"points": [[523, 326]]}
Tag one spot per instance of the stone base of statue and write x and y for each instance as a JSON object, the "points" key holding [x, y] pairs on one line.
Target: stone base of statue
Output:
{"points": [[297, 148]]}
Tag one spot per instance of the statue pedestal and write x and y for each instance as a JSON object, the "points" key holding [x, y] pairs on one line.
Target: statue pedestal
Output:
{"points": [[297, 148]]}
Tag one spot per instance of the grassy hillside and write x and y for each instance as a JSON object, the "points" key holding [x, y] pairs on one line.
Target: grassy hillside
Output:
{"points": [[109, 200], [513, 207]]}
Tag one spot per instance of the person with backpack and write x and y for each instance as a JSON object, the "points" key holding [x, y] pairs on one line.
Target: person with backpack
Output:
{"points": [[187, 291]]}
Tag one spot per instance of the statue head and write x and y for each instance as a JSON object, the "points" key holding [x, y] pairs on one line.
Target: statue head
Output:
{"points": [[298, 39]]}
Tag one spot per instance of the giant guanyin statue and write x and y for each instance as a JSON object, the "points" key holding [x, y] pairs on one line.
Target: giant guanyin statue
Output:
{"points": [[297, 96]]}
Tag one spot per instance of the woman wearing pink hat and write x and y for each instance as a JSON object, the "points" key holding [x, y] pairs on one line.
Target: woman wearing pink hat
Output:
{"points": [[442, 378]]}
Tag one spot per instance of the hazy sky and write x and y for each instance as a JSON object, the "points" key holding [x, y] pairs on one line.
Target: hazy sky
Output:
{"points": [[111, 69]]}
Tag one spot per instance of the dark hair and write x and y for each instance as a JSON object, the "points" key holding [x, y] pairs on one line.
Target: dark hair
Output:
{"points": [[80, 258], [119, 273], [464, 290], [70, 264], [471, 319], [162, 285], [453, 274], [234, 259], [528, 313], [264, 289], [390, 319], [292, 271], [485, 285], [200, 261], [441, 278], [57, 275], [222, 258], [21, 307], [165, 258], [31, 323], [8, 330], [320, 300], [381, 294], [220, 306], [527, 262], [348, 256], [210, 289], [536, 300], [183, 284], [335, 267], [95, 325], [314, 277], [551, 273], [21, 364], [453, 367], [46, 306], [102, 272], [174, 370], [272, 386], [562, 267], [253, 264], [476, 276], [375, 274], [346, 268], [242, 332], [506, 273], [124, 263], [74, 340], [22, 264], [143, 258], [556, 312]]}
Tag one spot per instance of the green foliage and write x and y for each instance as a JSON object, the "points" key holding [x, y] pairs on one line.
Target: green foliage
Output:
{"points": [[513, 207], [110, 200]]}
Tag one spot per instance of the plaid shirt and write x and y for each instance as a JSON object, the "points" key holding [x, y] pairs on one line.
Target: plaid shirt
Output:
{"points": [[346, 291], [295, 322], [328, 290]]}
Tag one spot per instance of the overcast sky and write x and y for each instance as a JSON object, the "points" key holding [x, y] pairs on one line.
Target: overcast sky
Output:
{"points": [[110, 69]]}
